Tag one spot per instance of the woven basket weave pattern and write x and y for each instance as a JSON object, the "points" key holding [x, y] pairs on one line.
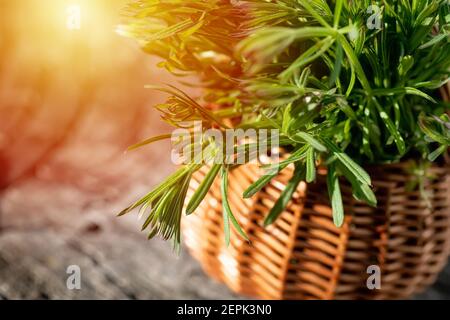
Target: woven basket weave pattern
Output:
{"points": [[304, 256]]}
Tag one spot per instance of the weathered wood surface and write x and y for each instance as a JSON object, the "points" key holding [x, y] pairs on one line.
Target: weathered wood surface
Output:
{"points": [[49, 226]]}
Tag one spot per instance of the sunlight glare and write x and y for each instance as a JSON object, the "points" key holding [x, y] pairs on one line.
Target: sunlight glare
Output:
{"points": [[73, 17]]}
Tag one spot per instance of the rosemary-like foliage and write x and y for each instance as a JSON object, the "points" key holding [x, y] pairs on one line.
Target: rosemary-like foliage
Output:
{"points": [[344, 91]]}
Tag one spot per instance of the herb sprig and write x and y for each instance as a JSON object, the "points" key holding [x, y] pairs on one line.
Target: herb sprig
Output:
{"points": [[343, 92]]}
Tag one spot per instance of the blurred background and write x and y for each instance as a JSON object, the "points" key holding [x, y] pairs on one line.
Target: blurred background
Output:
{"points": [[72, 99]]}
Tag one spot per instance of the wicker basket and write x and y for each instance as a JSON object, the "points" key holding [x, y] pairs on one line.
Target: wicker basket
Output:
{"points": [[304, 256]]}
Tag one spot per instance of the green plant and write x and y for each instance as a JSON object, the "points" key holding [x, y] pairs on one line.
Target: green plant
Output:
{"points": [[342, 92], [437, 129]]}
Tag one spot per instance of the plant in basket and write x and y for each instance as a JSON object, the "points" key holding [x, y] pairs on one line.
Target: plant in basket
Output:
{"points": [[352, 88]]}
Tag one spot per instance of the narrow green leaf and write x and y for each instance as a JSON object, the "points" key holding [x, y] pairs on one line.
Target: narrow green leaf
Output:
{"points": [[356, 65], [310, 166], [227, 213], [399, 141], [426, 125], [203, 189], [334, 192], [435, 40], [258, 185], [313, 142], [405, 90], [352, 82], [352, 166], [286, 196], [238, 227], [180, 94], [225, 206], [436, 153], [361, 191], [310, 55], [286, 119], [337, 65], [315, 14], [159, 190], [171, 31], [405, 65], [337, 12], [149, 141]]}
